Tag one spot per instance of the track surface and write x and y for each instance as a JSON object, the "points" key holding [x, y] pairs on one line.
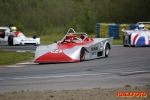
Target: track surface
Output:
{"points": [[27, 48], [123, 66]]}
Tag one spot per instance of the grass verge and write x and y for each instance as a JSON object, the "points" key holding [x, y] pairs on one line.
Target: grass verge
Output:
{"points": [[12, 57]]}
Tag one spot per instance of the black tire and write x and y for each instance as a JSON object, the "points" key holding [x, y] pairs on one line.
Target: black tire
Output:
{"points": [[10, 40], [124, 42], [132, 45], [130, 42], [107, 50], [35, 36], [82, 54]]}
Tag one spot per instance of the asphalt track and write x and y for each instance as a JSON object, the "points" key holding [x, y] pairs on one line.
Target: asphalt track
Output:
{"points": [[19, 48], [125, 65]]}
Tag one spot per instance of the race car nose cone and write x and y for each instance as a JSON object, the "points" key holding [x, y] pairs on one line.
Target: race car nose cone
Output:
{"points": [[53, 57]]}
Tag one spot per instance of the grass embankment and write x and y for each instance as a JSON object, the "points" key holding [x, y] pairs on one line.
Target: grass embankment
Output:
{"points": [[12, 57]]}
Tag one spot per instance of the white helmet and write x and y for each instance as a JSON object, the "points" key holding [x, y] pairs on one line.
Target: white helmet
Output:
{"points": [[141, 27]]}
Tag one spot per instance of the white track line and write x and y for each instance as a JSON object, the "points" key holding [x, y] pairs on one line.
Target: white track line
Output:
{"points": [[16, 65], [62, 76]]}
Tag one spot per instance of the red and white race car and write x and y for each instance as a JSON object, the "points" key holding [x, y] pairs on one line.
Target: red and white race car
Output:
{"points": [[74, 47], [9, 36]]}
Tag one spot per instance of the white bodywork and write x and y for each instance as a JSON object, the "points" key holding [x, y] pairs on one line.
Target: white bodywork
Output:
{"points": [[136, 37], [19, 39]]}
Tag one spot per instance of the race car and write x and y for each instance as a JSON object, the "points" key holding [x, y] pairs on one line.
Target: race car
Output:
{"points": [[140, 36], [9, 36], [74, 47]]}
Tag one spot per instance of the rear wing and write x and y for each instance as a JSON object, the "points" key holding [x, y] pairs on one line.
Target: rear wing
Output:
{"points": [[143, 23], [4, 28]]}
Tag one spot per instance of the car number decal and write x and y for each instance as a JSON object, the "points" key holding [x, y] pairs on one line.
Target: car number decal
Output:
{"points": [[56, 51]]}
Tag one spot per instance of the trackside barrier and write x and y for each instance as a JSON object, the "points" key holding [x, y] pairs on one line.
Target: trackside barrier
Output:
{"points": [[147, 26], [113, 30], [123, 26], [132, 26], [98, 30], [104, 30]]}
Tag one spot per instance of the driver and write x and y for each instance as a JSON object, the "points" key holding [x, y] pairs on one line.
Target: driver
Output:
{"points": [[67, 39], [141, 27], [13, 29]]}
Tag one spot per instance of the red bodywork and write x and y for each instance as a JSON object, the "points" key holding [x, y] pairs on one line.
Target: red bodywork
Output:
{"points": [[16, 33], [67, 43]]}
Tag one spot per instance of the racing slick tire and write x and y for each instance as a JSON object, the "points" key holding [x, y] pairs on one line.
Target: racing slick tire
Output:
{"points": [[10, 40], [107, 50], [124, 42], [82, 54], [132, 45]]}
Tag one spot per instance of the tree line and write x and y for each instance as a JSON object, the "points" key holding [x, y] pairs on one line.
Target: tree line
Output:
{"points": [[51, 16]]}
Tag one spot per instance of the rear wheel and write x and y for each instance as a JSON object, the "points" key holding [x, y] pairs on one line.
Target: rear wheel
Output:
{"points": [[107, 50], [82, 54], [125, 44], [132, 45], [10, 40]]}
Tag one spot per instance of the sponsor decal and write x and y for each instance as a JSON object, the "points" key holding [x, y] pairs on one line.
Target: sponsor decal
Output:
{"points": [[56, 51], [94, 48], [132, 94], [135, 38]]}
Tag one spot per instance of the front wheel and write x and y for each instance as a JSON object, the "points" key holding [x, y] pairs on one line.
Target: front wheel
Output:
{"points": [[10, 40], [107, 50], [82, 54], [132, 45]]}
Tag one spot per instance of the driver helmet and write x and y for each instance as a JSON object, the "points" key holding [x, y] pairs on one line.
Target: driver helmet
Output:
{"points": [[13, 29], [67, 39], [141, 27]]}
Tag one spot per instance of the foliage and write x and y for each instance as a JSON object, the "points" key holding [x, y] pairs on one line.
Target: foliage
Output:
{"points": [[44, 17]]}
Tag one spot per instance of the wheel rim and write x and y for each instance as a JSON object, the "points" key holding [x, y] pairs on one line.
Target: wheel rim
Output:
{"points": [[106, 50]]}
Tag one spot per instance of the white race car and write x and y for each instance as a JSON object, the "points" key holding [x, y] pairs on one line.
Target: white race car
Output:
{"points": [[138, 37], [10, 37]]}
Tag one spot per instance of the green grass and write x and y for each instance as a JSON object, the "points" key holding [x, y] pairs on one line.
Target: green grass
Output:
{"points": [[12, 57], [117, 42]]}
